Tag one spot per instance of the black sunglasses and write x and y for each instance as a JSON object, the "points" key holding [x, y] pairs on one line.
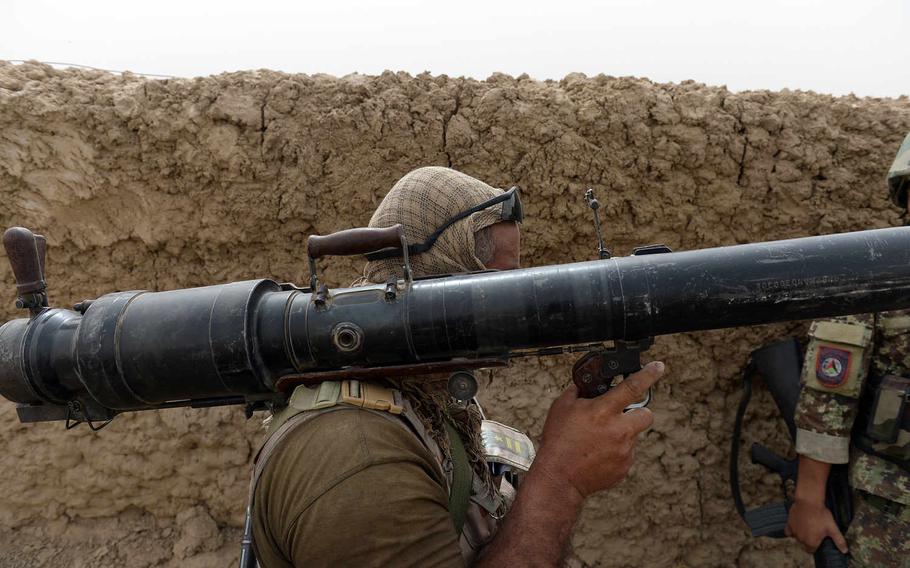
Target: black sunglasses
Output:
{"points": [[511, 211]]}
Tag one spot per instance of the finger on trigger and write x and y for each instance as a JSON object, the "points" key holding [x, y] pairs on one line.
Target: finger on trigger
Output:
{"points": [[640, 419], [634, 387]]}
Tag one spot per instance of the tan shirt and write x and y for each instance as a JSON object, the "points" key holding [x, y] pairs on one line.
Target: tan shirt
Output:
{"points": [[351, 488]]}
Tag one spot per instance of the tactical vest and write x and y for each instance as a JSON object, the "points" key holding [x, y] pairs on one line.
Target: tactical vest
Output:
{"points": [[884, 413], [474, 507], [883, 424]]}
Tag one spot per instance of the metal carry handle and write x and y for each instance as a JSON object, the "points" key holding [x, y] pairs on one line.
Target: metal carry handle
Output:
{"points": [[26, 253], [354, 241]]}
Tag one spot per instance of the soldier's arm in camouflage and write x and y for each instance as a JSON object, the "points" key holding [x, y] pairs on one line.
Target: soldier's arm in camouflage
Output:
{"points": [[823, 423], [809, 520], [829, 400], [837, 361]]}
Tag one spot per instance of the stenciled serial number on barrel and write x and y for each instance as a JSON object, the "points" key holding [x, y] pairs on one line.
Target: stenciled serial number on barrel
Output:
{"points": [[812, 282]]}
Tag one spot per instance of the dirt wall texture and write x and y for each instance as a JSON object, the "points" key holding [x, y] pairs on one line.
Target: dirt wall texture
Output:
{"points": [[165, 184]]}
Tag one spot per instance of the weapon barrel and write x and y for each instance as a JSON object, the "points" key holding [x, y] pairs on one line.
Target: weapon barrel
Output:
{"points": [[656, 294], [142, 350]]}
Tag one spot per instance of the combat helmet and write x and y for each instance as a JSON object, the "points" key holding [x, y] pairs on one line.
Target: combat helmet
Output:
{"points": [[899, 175]]}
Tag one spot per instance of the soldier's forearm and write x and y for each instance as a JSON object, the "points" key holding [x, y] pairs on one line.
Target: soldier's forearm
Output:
{"points": [[813, 477], [539, 524]]}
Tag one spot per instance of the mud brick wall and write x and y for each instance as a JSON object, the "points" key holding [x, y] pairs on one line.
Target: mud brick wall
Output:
{"points": [[166, 184]]}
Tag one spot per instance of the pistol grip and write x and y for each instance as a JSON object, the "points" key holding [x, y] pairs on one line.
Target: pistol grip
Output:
{"points": [[828, 556], [595, 372]]}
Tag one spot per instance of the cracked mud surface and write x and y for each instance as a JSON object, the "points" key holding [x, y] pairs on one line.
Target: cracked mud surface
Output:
{"points": [[141, 184]]}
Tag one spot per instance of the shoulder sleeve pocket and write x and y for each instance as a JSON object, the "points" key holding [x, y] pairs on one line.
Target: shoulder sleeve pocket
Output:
{"points": [[837, 358]]}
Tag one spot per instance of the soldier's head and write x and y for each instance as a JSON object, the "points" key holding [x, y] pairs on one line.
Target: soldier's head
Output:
{"points": [[899, 175], [453, 223]]}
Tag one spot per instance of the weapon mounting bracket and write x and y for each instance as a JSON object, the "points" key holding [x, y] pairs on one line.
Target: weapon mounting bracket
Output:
{"points": [[77, 413]]}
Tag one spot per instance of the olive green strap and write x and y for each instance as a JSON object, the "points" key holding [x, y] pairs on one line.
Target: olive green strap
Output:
{"points": [[460, 494]]}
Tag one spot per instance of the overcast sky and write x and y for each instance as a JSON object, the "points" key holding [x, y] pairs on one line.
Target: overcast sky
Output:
{"points": [[831, 46]]}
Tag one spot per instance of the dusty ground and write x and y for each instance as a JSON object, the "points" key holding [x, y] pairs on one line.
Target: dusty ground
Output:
{"points": [[167, 184]]}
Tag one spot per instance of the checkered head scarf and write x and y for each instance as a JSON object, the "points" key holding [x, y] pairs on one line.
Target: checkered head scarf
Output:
{"points": [[422, 201]]}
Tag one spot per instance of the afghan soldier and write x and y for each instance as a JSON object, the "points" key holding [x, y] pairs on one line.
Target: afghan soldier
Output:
{"points": [[855, 407], [398, 473]]}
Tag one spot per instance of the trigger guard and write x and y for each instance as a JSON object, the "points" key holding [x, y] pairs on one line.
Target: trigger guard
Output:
{"points": [[643, 403]]}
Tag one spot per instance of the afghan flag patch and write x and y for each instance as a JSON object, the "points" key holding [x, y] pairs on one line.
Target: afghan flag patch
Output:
{"points": [[832, 366]]}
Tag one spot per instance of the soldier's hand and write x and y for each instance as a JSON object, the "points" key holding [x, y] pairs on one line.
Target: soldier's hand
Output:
{"points": [[589, 444], [810, 523]]}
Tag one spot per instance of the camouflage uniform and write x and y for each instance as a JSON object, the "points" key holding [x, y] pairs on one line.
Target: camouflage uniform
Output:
{"points": [[843, 354], [899, 175]]}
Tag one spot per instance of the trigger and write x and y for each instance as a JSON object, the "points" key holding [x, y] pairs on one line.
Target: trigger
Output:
{"points": [[641, 403]]}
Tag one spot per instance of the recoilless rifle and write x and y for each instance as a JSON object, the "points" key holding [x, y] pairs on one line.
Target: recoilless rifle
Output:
{"points": [[250, 343]]}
